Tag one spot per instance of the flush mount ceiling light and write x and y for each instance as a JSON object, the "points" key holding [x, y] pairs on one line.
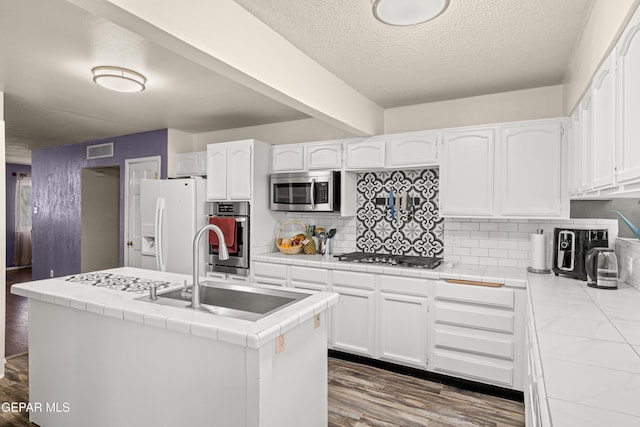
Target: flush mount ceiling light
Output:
{"points": [[119, 79], [407, 12]]}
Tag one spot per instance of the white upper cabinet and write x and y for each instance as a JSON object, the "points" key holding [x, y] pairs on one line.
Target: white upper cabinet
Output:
{"points": [[529, 170], [229, 170], [191, 164], [628, 94], [585, 144], [366, 154], [466, 173], [603, 130], [287, 158], [415, 149], [323, 156], [573, 157]]}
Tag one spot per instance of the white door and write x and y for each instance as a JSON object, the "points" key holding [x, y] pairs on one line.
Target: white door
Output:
{"points": [[529, 181], [466, 173], [239, 170], [628, 87], [603, 134], [135, 171], [217, 171]]}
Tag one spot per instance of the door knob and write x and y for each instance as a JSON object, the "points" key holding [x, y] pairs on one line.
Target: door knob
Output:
{"points": [[129, 243]]}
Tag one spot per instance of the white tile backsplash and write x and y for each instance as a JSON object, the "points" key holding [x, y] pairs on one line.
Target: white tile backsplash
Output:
{"points": [[628, 254], [505, 243]]}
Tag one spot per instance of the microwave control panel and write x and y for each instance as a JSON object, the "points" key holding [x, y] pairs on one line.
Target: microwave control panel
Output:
{"points": [[322, 192]]}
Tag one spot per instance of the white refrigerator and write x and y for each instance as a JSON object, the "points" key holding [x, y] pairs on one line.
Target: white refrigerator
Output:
{"points": [[171, 212]]}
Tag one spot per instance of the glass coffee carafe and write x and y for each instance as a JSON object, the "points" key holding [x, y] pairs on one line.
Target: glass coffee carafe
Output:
{"points": [[602, 268]]}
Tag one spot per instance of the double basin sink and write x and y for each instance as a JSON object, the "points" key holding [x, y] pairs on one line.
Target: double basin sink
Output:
{"points": [[239, 302]]}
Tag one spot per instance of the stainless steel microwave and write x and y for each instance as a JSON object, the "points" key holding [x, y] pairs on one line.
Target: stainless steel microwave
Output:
{"points": [[317, 191]]}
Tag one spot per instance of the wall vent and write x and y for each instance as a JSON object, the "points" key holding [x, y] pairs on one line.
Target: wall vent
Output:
{"points": [[99, 151]]}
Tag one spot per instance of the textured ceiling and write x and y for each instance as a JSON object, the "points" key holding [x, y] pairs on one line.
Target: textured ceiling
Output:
{"points": [[48, 47], [475, 47]]}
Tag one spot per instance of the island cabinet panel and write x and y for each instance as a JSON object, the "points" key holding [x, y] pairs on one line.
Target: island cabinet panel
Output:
{"points": [[466, 173], [287, 158], [628, 88], [98, 359]]}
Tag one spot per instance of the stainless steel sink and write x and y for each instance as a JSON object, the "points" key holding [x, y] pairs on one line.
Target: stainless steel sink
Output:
{"points": [[240, 302]]}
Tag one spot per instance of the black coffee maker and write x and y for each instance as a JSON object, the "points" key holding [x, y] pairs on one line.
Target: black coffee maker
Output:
{"points": [[570, 247]]}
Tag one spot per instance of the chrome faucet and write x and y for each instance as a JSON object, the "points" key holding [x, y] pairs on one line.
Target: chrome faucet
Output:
{"points": [[223, 254]]}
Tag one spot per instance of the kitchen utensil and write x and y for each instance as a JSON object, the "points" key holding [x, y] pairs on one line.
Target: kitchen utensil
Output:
{"points": [[332, 232], [632, 227], [322, 242], [392, 204], [602, 268]]}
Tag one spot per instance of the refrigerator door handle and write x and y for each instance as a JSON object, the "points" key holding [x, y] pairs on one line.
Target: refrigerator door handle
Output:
{"points": [[160, 213]]}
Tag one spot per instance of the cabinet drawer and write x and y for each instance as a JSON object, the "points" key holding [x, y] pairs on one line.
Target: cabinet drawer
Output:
{"points": [[474, 317], [466, 340], [307, 274], [277, 271], [476, 294], [472, 368], [270, 281], [353, 279], [404, 285]]}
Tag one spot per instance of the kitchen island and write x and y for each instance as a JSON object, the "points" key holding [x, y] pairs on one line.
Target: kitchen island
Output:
{"points": [[100, 357]]}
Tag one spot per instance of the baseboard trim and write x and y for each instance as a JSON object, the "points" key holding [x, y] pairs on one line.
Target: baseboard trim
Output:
{"points": [[469, 385]]}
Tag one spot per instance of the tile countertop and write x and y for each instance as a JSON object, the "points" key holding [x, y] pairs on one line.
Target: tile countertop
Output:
{"points": [[510, 277], [122, 305], [589, 341]]}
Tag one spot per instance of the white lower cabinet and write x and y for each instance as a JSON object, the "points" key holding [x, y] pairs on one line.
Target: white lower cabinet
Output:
{"points": [[270, 274], [477, 334], [353, 317], [354, 321], [403, 329], [535, 397]]}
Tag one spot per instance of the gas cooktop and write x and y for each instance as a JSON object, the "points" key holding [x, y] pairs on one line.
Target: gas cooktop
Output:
{"points": [[117, 282], [389, 259]]}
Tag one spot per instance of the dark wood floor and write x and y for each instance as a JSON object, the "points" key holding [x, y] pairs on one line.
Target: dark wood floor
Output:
{"points": [[359, 395], [16, 317]]}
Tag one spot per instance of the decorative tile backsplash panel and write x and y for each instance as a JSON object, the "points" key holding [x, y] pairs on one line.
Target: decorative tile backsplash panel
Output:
{"points": [[416, 230]]}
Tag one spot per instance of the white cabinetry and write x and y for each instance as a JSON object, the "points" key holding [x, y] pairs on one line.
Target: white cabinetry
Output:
{"points": [[229, 170], [603, 131], [414, 149], [507, 170], [585, 144], [353, 317], [535, 397], [191, 164], [478, 334], [270, 274], [403, 327], [366, 154], [529, 170], [287, 158], [628, 93], [323, 156], [466, 173]]}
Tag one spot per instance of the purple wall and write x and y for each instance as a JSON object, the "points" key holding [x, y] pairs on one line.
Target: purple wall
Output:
{"points": [[56, 196], [11, 206]]}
